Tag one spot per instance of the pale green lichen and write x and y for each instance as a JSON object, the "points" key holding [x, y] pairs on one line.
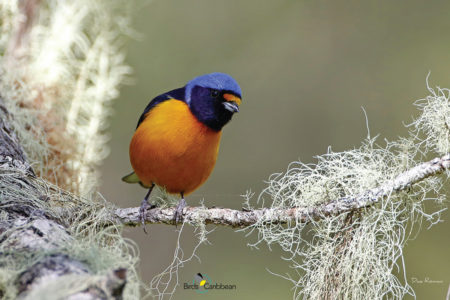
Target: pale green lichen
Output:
{"points": [[164, 284], [432, 127], [57, 87], [357, 255], [68, 69], [101, 248]]}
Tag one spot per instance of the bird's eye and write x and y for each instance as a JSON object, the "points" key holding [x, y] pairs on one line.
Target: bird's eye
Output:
{"points": [[214, 93]]}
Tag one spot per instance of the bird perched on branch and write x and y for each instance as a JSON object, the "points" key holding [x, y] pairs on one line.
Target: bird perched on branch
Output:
{"points": [[177, 138]]}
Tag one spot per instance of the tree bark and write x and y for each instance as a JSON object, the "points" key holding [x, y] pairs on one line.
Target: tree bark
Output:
{"points": [[26, 231]]}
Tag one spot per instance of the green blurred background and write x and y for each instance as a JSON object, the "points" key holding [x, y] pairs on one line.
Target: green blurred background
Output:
{"points": [[305, 69]]}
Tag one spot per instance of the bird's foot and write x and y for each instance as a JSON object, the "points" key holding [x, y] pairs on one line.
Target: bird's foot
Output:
{"points": [[179, 211], [142, 210]]}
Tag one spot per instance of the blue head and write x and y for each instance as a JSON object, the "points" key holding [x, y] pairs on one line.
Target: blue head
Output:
{"points": [[213, 99]]}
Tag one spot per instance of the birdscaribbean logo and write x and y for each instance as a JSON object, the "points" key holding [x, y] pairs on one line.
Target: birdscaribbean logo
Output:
{"points": [[201, 284]]}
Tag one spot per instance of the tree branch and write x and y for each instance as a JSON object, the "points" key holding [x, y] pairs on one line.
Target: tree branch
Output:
{"points": [[244, 218]]}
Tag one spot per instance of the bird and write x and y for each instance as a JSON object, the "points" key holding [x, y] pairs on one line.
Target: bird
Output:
{"points": [[176, 141]]}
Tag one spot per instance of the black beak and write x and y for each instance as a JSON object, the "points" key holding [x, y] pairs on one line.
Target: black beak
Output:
{"points": [[231, 106]]}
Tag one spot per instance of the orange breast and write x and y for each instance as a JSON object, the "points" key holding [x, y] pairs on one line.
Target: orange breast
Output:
{"points": [[173, 149]]}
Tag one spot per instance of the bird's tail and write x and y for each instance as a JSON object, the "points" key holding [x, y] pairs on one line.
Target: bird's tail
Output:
{"points": [[131, 178]]}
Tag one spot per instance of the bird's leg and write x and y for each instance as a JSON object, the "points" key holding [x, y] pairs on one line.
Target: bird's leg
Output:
{"points": [[144, 206], [179, 210]]}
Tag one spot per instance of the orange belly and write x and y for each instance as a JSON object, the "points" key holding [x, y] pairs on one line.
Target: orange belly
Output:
{"points": [[172, 149]]}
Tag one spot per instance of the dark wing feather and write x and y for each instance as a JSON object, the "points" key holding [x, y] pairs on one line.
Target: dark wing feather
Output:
{"points": [[177, 94]]}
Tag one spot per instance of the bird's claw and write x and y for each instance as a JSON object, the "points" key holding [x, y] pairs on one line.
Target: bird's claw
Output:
{"points": [[142, 210], [178, 215]]}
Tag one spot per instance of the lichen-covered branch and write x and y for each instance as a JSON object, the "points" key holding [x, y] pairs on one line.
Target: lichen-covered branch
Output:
{"points": [[26, 232], [244, 218], [55, 56]]}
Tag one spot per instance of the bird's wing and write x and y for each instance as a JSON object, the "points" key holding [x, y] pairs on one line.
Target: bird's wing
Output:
{"points": [[177, 94]]}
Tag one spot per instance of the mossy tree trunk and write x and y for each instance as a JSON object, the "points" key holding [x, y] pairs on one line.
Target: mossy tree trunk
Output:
{"points": [[29, 234]]}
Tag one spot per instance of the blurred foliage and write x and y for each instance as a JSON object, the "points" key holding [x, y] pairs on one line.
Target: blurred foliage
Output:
{"points": [[305, 69]]}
